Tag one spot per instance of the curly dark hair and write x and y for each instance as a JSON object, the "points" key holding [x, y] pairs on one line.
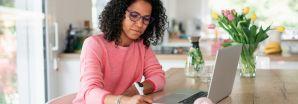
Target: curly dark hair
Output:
{"points": [[110, 21]]}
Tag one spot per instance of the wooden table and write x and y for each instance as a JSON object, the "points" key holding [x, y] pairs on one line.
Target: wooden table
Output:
{"points": [[269, 87], [276, 57]]}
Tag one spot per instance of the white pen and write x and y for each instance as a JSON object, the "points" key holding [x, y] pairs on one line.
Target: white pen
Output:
{"points": [[140, 87]]}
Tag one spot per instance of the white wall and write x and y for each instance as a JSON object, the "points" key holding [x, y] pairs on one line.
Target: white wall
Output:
{"points": [[71, 12], [170, 6], [189, 12], [186, 9]]}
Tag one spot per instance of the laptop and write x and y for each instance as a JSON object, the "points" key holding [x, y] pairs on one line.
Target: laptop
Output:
{"points": [[221, 82]]}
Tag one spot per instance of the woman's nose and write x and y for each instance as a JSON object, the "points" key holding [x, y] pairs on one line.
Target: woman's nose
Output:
{"points": [[139, 23]]}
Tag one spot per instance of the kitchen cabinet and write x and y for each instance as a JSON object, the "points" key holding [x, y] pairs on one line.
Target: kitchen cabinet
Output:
{"points": [[68, 73]]}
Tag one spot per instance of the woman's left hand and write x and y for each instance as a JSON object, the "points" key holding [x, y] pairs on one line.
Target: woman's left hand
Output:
{"points": [[132, 90]]}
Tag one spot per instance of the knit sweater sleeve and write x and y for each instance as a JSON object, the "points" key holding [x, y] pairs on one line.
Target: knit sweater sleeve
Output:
{"points": [[91, 80], [153, 70]]}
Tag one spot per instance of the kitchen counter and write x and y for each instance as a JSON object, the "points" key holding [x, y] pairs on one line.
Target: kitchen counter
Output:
{"points": [[69, 66], [178, 60], [69, 56], [183, 57], [283, 58]]}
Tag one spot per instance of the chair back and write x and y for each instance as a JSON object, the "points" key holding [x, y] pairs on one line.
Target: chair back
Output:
{"points": [[65, 99]]}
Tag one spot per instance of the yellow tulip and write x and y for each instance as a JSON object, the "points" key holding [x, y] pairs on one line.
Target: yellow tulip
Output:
{"points": [[214, 15], [280, 28], [253, 17], [245, 10]]}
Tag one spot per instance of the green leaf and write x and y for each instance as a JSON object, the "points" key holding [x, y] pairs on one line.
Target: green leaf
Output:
{"points": [[225, 20], [242, 34], [268, 28], [246, 23], [250, 37], [230, 43], [253, 30], [221, 24], [230, 31], [253, 33], [262, 35]]}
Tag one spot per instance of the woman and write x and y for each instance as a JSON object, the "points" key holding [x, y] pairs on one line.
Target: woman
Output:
{"points": [[111, 62]]}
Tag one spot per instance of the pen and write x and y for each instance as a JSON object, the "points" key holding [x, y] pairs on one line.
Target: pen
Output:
{"points": [[140, 87]]}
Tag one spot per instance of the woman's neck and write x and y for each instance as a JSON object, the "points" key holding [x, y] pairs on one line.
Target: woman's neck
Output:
{"points": [[124, 40]]}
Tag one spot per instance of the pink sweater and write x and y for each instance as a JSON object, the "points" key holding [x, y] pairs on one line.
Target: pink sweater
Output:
{"points": [[107, 69]]}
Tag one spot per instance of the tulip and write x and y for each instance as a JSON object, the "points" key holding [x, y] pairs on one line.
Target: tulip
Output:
{"points": [[231, 17], [214, 15], [222, 11], [253, 17], [226, 13], [280, 28], [245, 10]]}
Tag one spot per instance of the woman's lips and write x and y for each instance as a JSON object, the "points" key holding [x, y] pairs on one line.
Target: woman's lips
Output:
{"points": [[136, 31]]}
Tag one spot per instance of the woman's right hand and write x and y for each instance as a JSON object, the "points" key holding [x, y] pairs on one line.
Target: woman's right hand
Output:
{"points": [[137, 99]]}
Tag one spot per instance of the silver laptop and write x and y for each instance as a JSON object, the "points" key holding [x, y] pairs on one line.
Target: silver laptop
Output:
{"points": [[222, 80]]}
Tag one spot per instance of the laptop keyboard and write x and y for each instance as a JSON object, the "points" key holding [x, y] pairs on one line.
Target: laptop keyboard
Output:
{"points": [[191, 99]]}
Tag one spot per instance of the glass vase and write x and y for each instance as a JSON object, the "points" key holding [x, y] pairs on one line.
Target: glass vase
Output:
{"points": [[248, 63], [194, 63]]}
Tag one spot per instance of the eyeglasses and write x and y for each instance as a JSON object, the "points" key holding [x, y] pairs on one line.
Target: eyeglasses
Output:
{"points": [[135, 16]]}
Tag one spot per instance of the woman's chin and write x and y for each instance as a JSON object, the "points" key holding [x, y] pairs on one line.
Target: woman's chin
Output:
{"points": [[134, 36]]}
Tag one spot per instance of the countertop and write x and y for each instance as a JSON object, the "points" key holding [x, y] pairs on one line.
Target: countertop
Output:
{"points": [[277, 57], [183, 57]]}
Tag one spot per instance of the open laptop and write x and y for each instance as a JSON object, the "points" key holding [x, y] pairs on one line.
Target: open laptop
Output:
{"points": [[221, 83]]}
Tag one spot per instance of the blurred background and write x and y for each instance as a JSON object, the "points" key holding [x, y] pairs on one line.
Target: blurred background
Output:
{"points": [[40, 40]]}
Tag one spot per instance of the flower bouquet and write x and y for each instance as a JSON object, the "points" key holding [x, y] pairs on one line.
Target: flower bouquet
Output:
{"points": [[242, 30]]}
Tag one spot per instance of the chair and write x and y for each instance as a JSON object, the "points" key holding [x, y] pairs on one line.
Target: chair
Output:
{"points": [[65, 99]]}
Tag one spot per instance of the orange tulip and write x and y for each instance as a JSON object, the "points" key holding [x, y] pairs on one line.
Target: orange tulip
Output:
{"points": [[245, 10]]}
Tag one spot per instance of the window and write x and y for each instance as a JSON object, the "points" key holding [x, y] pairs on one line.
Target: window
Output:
{"points": [[269, 12], [21, 49], [97, 7]]}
